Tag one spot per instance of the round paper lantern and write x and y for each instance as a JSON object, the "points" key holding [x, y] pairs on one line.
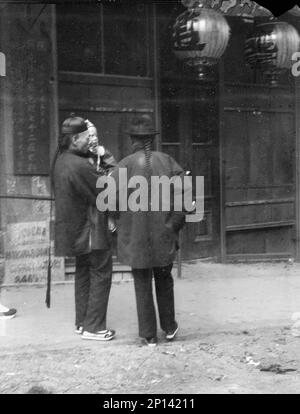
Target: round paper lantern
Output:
{"points": [[200, 37], [270, 48]]}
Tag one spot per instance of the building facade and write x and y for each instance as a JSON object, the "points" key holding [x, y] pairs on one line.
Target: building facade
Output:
{"points": [[107, 62]]}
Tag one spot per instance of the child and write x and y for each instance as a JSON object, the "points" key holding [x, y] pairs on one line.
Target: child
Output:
{"points": [[102, 159]]}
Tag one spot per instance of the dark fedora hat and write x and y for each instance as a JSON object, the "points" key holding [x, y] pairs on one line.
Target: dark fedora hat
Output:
{"points": [[73, 125], [142, 125]]}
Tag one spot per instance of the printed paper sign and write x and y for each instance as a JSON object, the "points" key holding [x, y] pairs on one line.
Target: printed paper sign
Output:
{"points": [[26, 254]]}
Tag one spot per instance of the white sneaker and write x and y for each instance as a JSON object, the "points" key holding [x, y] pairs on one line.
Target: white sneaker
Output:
{"points": [[171, 335], [79, 330], [151, 342], [106, 335]]}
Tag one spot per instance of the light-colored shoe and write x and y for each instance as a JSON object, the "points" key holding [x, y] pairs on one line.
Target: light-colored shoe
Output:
{"points": [[106, 335], [151, 342], [171, 335], [79, 330]]}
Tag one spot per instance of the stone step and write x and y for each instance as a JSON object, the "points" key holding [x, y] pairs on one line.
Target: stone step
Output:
{"points": [[121, 273]]}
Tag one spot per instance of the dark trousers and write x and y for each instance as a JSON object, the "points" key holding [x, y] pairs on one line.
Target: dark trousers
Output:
{"points": [[93, 276], [164, 287]]}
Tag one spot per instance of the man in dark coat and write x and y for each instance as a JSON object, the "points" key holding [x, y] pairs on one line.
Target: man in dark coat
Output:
{"points": [[79, 233], [148, 240]]}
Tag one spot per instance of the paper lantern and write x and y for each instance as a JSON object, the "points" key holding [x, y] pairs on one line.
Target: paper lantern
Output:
{"points": [[200, 37], [270, 48]]}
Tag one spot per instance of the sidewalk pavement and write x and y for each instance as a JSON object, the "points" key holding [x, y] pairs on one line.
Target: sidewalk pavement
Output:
{"points": [[209, 298]]}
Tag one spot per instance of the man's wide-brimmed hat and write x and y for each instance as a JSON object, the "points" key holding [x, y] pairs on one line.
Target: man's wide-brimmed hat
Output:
{"points": [[142, 125]]}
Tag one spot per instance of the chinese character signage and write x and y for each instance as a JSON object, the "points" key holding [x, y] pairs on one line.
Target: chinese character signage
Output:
{"points": [[27, 251], [30, 69]]}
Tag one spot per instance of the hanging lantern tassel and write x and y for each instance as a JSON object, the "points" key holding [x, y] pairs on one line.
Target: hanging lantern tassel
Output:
{"points": [[270, 48], [200, 37]]}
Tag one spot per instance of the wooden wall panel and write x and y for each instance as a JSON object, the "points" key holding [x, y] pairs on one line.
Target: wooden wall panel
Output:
{"points": [[109, 107], [260, 243], [283, 141], [236, 150], [260, 149], [259, 154], [172, 149]]}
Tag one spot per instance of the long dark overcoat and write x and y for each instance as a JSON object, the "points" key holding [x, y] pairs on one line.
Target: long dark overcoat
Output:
{"points": [[147, 239], [79, 227]]}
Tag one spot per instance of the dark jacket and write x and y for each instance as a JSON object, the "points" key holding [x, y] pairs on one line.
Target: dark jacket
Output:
{"points": [[79, 228], [148, 239]]}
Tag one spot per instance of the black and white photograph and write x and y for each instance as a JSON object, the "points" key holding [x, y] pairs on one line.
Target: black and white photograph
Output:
{"points": [[149, 199]]}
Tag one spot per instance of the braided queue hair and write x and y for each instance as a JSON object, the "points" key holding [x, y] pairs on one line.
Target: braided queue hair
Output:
{"points": [[147, 147], [145, 143]]}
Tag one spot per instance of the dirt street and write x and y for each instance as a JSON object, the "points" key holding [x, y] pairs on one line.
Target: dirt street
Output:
{"points": [[235, 337]]}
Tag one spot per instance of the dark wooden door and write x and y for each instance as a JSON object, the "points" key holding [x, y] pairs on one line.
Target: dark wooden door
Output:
{"points": [[190, 131], [260, 188], [190, 134], [259, 155]]}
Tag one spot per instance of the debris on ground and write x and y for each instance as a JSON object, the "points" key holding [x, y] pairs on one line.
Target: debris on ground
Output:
{"points": [[38, 390], [276, 368], [250, 361]]}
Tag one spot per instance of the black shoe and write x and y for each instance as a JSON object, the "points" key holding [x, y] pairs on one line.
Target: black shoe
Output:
{"points": [[171, 335], [11, 313], [152, 342]]}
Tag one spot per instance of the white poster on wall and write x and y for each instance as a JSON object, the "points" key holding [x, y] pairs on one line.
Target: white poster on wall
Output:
{"points": [[26, 254]]}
